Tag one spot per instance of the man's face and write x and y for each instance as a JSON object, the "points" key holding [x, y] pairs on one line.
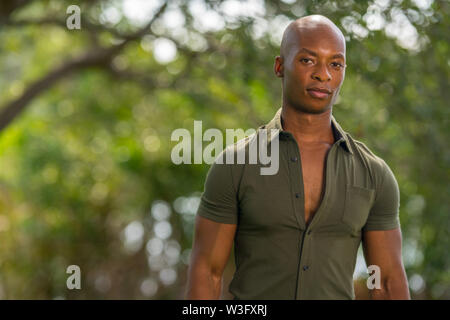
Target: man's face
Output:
{"points": [[313, 69]]}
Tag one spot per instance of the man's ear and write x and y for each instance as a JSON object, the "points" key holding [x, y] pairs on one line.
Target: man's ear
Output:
{"points": [[278, 67]]}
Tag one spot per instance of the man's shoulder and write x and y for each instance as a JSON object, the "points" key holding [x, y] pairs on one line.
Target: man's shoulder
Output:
{"points": [[248, 148], [242, 145], [365, 154]]}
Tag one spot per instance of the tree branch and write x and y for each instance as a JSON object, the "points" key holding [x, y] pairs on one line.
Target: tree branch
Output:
{"points": [[98, 57], [95, 58], [7, 7]]}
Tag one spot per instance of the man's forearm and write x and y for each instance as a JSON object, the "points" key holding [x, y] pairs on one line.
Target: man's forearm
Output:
{"points": [[203, 286], [391, 289]]}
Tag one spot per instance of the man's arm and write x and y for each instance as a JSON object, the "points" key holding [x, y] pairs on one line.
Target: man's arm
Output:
{"points": [[210, 252], [384, 249]]}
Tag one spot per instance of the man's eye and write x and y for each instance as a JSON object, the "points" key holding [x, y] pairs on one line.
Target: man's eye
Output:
{"points": [[305, 60], [336, 65]]}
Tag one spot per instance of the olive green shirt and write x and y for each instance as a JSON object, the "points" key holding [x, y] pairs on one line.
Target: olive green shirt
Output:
{"points": [[277, 255]]}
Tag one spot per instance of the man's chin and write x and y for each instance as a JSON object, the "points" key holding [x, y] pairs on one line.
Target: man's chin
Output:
{"points": [[312, 109]]}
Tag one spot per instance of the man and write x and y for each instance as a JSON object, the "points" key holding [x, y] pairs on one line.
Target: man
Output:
{"points": [[296, 233]]}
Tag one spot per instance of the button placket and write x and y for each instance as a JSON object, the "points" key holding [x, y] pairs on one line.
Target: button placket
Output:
{"points": [[295, 179], [294, 159], [304, 268], [295, 167]]}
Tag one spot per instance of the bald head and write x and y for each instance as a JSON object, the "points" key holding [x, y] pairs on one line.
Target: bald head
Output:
{"points": [[310, 26], [312, 59]]}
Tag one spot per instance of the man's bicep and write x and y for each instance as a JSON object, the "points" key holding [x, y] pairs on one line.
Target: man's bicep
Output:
{"points": [[383, 249], [212, 245], [216, 219], [219, 199], [384, 214]]}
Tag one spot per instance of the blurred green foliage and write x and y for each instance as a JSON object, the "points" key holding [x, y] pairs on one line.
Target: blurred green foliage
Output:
{"points": [[85, 171]]}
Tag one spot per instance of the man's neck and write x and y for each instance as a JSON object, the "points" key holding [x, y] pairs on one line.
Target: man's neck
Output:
{"points": [[308, 128]]}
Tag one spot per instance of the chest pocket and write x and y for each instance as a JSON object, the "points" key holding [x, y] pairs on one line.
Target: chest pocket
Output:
{"points": [[358, 202]]}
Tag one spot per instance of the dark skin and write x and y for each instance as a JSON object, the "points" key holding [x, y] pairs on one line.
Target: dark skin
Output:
{"points": [[311, 66], [312, 56]]}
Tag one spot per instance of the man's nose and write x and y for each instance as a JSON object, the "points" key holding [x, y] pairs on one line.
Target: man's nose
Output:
{"points": [[321, 73]]}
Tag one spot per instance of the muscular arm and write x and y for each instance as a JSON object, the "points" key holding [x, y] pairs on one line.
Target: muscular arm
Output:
{"points": [[210, 252], [383, 248]]}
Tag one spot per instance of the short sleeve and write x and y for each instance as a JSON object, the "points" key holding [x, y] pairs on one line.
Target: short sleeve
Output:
{"points": [[219, 201], [384, 214]]}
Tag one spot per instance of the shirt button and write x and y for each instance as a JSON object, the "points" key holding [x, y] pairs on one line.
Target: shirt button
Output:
{"points": [[305, 268], [297, 195], [293, 159]]}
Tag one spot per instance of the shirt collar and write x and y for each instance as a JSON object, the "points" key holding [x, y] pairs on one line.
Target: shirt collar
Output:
{"points": [[338, 132]]}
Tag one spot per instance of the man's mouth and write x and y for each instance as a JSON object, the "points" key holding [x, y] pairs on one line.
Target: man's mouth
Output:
{"points": [[319, 92]]}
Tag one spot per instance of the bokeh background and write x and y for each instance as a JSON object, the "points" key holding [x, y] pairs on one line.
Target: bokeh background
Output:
{"points": [[86, 118]]}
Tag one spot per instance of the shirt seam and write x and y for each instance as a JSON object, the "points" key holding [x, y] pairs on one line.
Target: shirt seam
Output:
{"points": [[381, 186]]}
